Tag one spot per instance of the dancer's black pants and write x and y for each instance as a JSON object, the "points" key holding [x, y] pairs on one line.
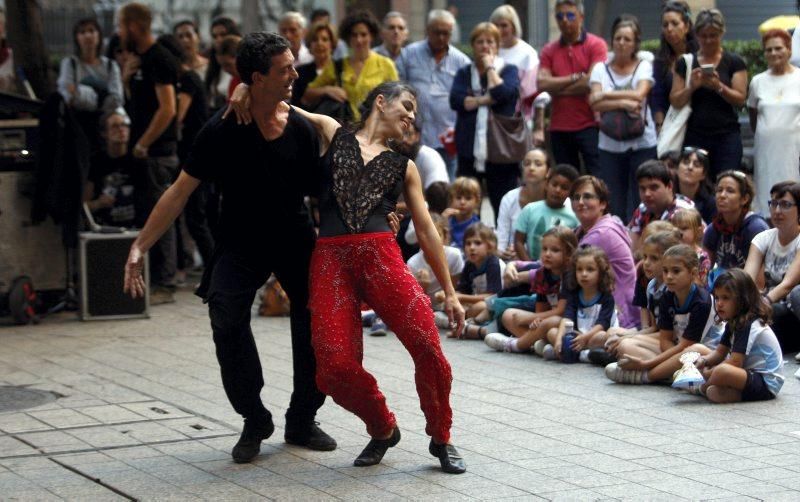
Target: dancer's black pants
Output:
{"points": [[229, 287]]}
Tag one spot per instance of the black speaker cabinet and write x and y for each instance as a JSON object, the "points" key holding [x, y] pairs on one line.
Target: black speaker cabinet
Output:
{"points": [[102, 262]]}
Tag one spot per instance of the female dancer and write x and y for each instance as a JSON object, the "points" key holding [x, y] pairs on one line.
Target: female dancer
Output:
{"points": [[356, 258]]}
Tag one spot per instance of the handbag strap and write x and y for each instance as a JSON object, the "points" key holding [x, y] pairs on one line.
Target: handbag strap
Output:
{"points": [[614, 83], [689, 59]]}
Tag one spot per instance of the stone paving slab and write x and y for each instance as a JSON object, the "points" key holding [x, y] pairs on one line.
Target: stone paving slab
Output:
{"points": [[141, 414]]}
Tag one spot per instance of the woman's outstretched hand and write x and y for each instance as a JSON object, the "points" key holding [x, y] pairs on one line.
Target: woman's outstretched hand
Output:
{"points": [[455, 314], [240, 105]]}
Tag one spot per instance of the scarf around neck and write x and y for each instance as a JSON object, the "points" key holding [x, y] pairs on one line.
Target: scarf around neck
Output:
{"points": [[479, 145]]}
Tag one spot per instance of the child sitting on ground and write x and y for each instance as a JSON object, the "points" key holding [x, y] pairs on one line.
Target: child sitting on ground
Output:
{"points": [[685, 319], [690, 224], [424, 274], [748, 363], [537, 217], [483, 271], [558, 244], [590, 307], [465, 202], [649, 300]]}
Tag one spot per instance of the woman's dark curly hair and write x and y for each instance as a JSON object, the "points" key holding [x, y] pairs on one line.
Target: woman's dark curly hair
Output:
{"points": [[606, 283], [364, 17]]}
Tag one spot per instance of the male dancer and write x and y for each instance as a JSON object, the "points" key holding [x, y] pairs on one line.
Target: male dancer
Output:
{"points": [[264, 170]]}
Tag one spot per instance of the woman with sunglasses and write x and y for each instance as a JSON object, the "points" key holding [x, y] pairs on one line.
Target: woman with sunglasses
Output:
{"points": [[590, 202], [774, 107], [727, 239], [677, 39], [692, 181], [775, 261], [717, 87]]}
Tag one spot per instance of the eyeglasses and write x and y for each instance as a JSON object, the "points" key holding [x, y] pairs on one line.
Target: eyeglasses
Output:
{"points": [[441, 33], [694, 150], [784, 205], [577, 197], [569, 16]]}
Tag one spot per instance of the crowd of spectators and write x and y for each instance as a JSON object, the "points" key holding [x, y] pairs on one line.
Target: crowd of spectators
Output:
{"points": [[590, 108]]}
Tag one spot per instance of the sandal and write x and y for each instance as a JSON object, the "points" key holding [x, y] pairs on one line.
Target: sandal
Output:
{"points": [[474, 331]]}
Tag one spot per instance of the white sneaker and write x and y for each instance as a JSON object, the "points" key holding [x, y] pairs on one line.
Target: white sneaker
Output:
{"points": [[538, 347], [619, 375], [441, 320], [797, 357], [549, 352], [497, 341]]}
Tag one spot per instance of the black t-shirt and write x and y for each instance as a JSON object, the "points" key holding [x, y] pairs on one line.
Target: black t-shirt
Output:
{"points": [[711, 114], [197, 114], [121, 178], [689, 320], [263, 183], [158, 67]]}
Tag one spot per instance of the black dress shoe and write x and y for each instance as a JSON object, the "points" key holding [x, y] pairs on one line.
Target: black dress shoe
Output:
{"points": [[376, 449], [448, 456], [250, 441], [311, 437]]}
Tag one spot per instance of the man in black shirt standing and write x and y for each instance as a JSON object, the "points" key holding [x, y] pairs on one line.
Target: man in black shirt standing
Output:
{"points": [[264, 171], [152, 106]]}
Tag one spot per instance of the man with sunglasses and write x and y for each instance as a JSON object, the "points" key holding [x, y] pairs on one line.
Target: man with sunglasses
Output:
{"points": [[565, 66]]}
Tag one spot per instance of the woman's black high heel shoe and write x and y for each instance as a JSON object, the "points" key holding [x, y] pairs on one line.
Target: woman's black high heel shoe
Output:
{"points": [[376, 449], [451, 460]]}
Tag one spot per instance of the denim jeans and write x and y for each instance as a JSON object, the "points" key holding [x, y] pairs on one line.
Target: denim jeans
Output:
{"points": [[161, 171], [229, 286], [567, 146], [618, 170]]}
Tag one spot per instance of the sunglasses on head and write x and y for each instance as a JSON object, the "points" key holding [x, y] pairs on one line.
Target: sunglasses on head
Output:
{"points": [[569, 16], [694, 150]]}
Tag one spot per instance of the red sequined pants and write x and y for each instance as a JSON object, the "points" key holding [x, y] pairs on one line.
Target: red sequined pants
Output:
{"points": [[344, 271]]}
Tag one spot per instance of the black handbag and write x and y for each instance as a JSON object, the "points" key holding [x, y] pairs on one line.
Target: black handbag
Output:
{"points": [[331, 107], [622, 125]]}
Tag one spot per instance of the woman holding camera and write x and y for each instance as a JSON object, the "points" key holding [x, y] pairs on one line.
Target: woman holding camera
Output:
{"points": [[717, 87]]}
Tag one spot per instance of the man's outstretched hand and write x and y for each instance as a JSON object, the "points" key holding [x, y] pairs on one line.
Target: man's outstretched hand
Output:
{"points": [[134, 278]]}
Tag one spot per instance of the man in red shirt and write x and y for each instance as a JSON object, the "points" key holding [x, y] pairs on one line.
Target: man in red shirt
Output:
{"points": [[564, 69]]}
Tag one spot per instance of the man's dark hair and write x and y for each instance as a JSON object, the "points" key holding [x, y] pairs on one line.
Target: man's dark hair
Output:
{"points": [[255, 53], [318, 13], [364, 17], [654, 169], [565, 170]]}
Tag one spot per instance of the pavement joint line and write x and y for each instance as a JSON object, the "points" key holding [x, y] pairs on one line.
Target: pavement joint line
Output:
{"points": [[93, 479], [105, 448], [176, 406], [92, 426]]}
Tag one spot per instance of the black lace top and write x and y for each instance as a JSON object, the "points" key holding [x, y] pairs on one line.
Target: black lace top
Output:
{"points": [[356, 197]]}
